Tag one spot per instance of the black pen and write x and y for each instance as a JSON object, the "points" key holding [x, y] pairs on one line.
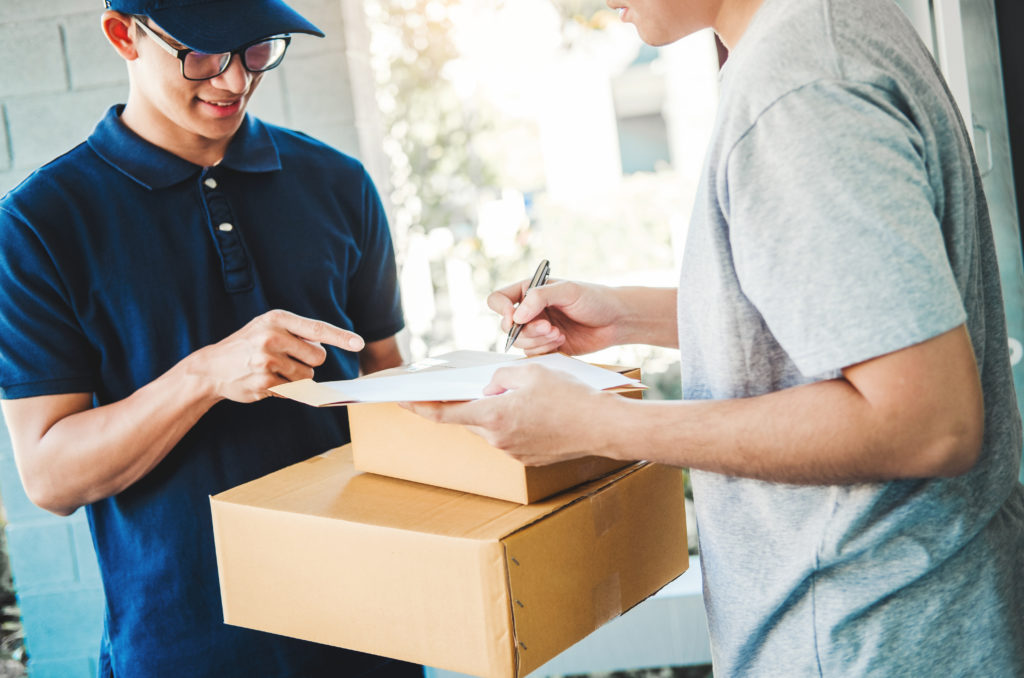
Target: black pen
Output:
{"points": [[540, 276]]}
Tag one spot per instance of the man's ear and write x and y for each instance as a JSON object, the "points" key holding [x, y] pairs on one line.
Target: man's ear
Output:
{"points": [[117, 27]]}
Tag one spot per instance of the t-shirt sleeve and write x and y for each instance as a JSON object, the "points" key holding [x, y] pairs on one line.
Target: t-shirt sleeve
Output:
{"points": [[42, 348], [834, 230], [375, 303]]}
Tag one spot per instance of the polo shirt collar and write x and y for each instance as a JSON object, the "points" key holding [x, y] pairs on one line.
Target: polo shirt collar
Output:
{"points": [[251, 150]]}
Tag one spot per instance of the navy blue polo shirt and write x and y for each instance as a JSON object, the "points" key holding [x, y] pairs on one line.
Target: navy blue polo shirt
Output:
{"points": [[117, 260]]}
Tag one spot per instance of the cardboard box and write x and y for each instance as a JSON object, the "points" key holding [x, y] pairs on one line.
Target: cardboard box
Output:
{"points": [[391, 441], [452, 580]]}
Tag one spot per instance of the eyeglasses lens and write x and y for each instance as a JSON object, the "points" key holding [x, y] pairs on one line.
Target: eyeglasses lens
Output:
{"points": [[201, 66], [265, 55]]}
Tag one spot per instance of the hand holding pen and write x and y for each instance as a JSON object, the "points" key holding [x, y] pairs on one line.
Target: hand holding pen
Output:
{"points": [[577, 318], [540, 276]]}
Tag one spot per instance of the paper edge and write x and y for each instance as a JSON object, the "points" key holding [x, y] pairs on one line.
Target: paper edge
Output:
{"points": [[311, 393]]}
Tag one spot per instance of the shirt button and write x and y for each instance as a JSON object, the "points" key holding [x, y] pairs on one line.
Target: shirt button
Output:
{"points": [[226, 227], [211, 183]]}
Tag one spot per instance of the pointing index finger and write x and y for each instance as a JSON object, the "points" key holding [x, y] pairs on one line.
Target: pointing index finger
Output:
{"points": [[323, 332]]}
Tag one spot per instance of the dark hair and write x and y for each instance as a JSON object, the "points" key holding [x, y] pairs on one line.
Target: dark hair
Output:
{"points": [[142, 19]]}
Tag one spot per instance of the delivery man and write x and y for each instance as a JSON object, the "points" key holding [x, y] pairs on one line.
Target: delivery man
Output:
{"points": [[157, 279]]}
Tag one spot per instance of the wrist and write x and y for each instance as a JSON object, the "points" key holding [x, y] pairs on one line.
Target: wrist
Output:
{"points": [[608, 428], [619, 321], [193, 376]]}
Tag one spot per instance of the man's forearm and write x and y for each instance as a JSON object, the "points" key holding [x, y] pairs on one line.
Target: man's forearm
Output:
{"points": [[70, 454], [95, 453], [822, 433], [915, 412], [649, 316], [816, 434], [380, 355]]}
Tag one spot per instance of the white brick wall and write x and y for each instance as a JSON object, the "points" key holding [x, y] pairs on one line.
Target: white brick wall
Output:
{"points": [[91, 61], [43, 127], [5, 151], [56, 78], [33, 60]]}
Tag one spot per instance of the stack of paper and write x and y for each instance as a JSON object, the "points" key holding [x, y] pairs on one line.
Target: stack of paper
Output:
{"points": [[461, 375]]}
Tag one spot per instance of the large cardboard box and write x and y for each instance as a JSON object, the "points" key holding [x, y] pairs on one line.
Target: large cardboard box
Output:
{"points": [[392, 441], [458, 581]]}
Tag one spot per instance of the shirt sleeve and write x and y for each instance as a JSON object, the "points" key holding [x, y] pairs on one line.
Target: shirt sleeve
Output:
{"points": [[375, 305], [834, 228], [43, 350]]}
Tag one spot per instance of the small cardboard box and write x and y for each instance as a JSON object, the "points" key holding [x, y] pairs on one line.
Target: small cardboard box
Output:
{"points": [[458, 581], [392, 441]]}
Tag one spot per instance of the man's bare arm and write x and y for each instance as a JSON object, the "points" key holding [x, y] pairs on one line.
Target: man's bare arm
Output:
{"points": [[380, 355], [916, 412], [70, 454]]}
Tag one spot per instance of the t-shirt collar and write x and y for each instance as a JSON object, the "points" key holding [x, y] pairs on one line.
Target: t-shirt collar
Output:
{"points": [[251, 150], [758, 24]]}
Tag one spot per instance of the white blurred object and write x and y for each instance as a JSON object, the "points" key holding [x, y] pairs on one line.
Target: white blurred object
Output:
{"points": [[417, 287], [498, 223]]}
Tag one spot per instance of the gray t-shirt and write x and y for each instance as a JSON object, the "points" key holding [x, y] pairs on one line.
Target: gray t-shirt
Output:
{"points": [[841, 217]]}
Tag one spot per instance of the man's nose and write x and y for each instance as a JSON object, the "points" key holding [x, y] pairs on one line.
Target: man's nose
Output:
{"points": [[235, 78]]}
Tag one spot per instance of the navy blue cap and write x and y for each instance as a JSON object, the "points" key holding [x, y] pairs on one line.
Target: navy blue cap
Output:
{"points": [[215, 26]]}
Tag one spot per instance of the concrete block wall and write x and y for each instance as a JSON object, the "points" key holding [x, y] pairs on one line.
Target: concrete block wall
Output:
{"points": [[56, 579], [58, 76]]}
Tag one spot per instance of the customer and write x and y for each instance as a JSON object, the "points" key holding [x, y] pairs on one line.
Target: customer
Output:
{"points": [[850, 415]]}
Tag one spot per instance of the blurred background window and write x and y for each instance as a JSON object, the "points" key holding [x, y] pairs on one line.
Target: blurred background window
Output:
{"points": [[533, 129]]}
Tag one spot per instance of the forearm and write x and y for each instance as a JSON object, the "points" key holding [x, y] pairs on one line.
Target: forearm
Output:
{"points": [[70, 454], [822, 433], [98, 452], [913, 413], [648, 316], [380, 355]]}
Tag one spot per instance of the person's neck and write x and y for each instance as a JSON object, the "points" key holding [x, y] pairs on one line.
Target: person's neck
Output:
{"points": [[189, 146], [733, 18]]}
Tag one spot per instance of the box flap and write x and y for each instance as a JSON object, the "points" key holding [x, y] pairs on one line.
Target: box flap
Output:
{"points": [[311, 393]]}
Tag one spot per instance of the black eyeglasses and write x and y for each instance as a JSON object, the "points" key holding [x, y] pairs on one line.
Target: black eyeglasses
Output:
{"points": [[257, 57]]}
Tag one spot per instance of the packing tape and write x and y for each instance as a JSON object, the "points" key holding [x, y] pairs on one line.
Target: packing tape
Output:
{"points": [[606, 511], [607, 599]]}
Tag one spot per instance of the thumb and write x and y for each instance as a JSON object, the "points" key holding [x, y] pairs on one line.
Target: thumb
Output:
{"points": [[556, 294], [510, 379]]}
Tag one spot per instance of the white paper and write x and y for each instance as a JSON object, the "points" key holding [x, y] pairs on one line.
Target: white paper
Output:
{"points": [[448, 378]]}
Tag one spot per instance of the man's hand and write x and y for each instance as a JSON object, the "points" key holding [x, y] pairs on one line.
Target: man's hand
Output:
{"points": [[573, 317], [272, 349], [577, 318], [537, 415]]}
